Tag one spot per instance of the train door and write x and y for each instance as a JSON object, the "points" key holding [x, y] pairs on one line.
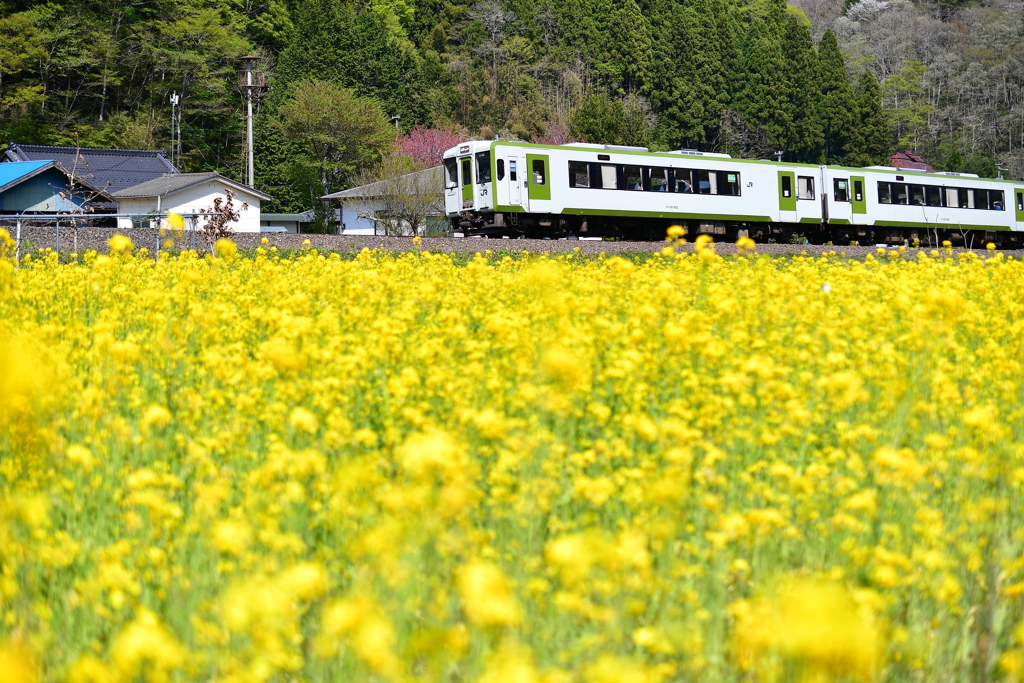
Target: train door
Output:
{"points": [[840, 209], [1018, 204], [787, 197], [466, 171], [513, 183], [858, 199], [538, 175]]}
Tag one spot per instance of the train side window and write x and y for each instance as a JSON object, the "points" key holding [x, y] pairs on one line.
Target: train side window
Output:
{"points": [[707, 182], [483, 167], [966, 198], [538, 172], [996, 199], [512, 170], [933, 195], [787, 186], [451, 173], [981, 199], [841, 191], [659, 179], [899, 193], [579, 174], [952, 197], [501, 169], [634, 178], [858, 190], [917, 195], [804, 187], [729, 183], [608, 177], [884, 193], [684, 181], [467, 171]]}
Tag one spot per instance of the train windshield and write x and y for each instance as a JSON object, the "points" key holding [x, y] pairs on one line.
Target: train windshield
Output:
{"points": [[483, 167], [451, 173]]}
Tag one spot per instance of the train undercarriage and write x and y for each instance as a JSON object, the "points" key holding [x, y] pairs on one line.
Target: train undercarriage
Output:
{"points": [[551, 226]]}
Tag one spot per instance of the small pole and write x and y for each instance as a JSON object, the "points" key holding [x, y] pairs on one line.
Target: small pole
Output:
{"points": [[17, 237], [57, 249]]}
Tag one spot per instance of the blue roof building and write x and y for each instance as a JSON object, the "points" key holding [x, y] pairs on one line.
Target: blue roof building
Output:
{"points": [[111, 170], [45, 187]]}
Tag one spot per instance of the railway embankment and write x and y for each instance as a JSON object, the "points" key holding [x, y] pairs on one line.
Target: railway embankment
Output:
{"points": [[81, 239]]}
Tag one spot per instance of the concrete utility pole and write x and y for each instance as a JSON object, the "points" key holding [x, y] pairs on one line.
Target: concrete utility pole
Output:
{"points": [[250, 81], [174, 111]]}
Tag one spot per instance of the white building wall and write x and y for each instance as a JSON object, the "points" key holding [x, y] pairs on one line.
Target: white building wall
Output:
{"points": [[196, 200], [354, 224]]}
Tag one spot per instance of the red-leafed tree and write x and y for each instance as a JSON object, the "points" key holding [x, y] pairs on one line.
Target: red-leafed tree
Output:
{"points": [[426, 145]]}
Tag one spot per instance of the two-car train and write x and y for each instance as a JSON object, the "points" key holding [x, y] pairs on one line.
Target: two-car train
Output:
{"points": [[500, 188]]}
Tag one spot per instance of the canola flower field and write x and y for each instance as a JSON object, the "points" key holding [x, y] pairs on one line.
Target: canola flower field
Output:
{"points": [[397, 467]]}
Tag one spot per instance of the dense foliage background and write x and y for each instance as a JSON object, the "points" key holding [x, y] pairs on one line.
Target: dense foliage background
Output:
{"points": [[817, 80]]}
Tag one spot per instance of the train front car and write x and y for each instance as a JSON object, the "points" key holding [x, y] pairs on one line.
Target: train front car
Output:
{"points": [[469, 188]]}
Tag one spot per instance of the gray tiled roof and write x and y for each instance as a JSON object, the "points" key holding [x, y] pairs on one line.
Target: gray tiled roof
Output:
{"points": [[107, 169], [427, 181], [176, 182]]}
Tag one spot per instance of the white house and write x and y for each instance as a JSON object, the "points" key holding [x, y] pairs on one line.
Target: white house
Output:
{"points": [[188, 194], [377, 207]]}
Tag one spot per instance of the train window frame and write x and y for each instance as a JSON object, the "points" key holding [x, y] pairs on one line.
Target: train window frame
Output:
{"points": [[884, 193], [951, 195], [684, 176], [637, 177], [900, 194], [841, 190], [512, 171], [729, 180], [578, 170], [707, 176], [787, 186], [500, 165], [483, 167], [933, 195], [916, 194], [981, 200], [994, 197], [858, 190], [467, 171], [609, 181], [965, 198], [537, 168], [658, 173], [807, 188], [1020, 200], [451, 173]]}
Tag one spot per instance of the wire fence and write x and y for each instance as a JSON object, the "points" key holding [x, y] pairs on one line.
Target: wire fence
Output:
{"points": [[85, 231]]}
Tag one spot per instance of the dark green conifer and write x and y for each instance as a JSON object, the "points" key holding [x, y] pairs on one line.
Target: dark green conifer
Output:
{"points": [[838, 107]]}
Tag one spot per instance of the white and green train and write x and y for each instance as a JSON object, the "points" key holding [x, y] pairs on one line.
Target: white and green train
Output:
{"points": [[500, 188]]}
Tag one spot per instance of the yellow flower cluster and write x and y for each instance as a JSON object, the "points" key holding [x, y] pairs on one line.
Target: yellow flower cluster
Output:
{"points": [[249, 467]]}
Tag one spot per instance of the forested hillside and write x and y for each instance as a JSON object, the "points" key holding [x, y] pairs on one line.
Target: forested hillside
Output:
{"points": [[816, 81]]}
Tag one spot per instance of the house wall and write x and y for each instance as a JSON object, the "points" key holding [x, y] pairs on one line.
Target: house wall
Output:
{"points": [[290, 226], [196, 200], [41, 194], [354, 225]]}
